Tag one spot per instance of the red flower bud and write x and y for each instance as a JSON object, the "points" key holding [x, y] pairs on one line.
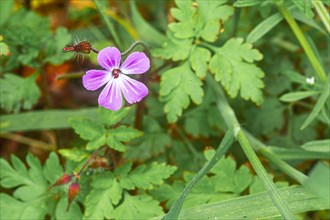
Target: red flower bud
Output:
{"points": [[73, 191], [63, 180]]}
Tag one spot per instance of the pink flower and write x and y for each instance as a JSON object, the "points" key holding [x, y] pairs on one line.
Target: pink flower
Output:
{"points": [[115, 78]]}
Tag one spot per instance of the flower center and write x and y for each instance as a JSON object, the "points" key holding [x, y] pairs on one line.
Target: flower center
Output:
{"points": [[116, 73]]}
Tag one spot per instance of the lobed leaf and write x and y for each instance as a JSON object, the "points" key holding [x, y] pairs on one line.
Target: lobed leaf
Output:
{"points": [[145, 176], [229, 67], [199, 59], [175, 49], [86, 128], [177, 87], [110, 118], [137, 207], [18, 93]]}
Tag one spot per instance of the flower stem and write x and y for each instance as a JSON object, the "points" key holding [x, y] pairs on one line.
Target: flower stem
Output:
{"points": [[230, 119], [70, 76], [304, 43], [91, 157], [136, 43]]}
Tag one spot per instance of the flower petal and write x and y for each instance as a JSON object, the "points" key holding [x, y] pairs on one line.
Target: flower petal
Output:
{"points": [[94, 79], [109, 58], [110, 96], [132, 89], [135, 63]]}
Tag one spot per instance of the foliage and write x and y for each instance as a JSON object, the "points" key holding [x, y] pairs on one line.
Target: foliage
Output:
{"points": [[36, 179], [18, 93], [248, 76]]}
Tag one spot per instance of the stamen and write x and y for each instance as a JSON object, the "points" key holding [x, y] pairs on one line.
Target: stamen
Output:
{"points": [[116, 73]]}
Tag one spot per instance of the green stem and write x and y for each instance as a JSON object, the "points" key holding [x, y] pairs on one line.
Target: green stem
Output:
{"points": [[230, 119], [304, 43], [101, 7], [28, 141], [323, 13], [70, 76], [223, 147], [135, 44], [188, 145], [275, 160]]}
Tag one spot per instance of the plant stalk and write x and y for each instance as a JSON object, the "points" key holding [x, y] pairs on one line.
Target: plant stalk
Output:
{"points": [[230, 119], [304, 43]]}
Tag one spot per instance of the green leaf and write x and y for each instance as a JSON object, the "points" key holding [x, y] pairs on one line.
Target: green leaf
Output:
{"points": [[31, 198], [152, 143], [304, 6], [264, 27], [266, 119], [54, 54], [11, 208], [24, 50], [74, 154], [113, 143], [222, 149], [187, 21], [211, 13], [299, 201], [18, 93], [145, 31], [247, 3], [227, 179], [199, 59], [214, 10], [296, 96], [297, 154], [61, 212], [86, 128], [179, 85], [175, 49], [232, 65], [317, 146], [257, 187], [318, 107], [5, 11], [96, 142], [124, 133], [99, 203], [319, 181], [42, 120], [139, 206], [52, 168], [106, 193], [121, 134], [146, 176], [27, 181], [110, 118]]}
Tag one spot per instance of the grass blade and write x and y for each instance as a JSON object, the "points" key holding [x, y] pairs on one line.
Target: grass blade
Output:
{"points": [[40, 120], [221, 151], [318, 107]]}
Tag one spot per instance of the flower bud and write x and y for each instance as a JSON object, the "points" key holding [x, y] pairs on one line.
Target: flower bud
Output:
{"points": [[63, 180], [73, 191]]}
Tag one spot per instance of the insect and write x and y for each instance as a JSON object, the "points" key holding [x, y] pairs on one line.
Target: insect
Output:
{"points": [[80, 48]]}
